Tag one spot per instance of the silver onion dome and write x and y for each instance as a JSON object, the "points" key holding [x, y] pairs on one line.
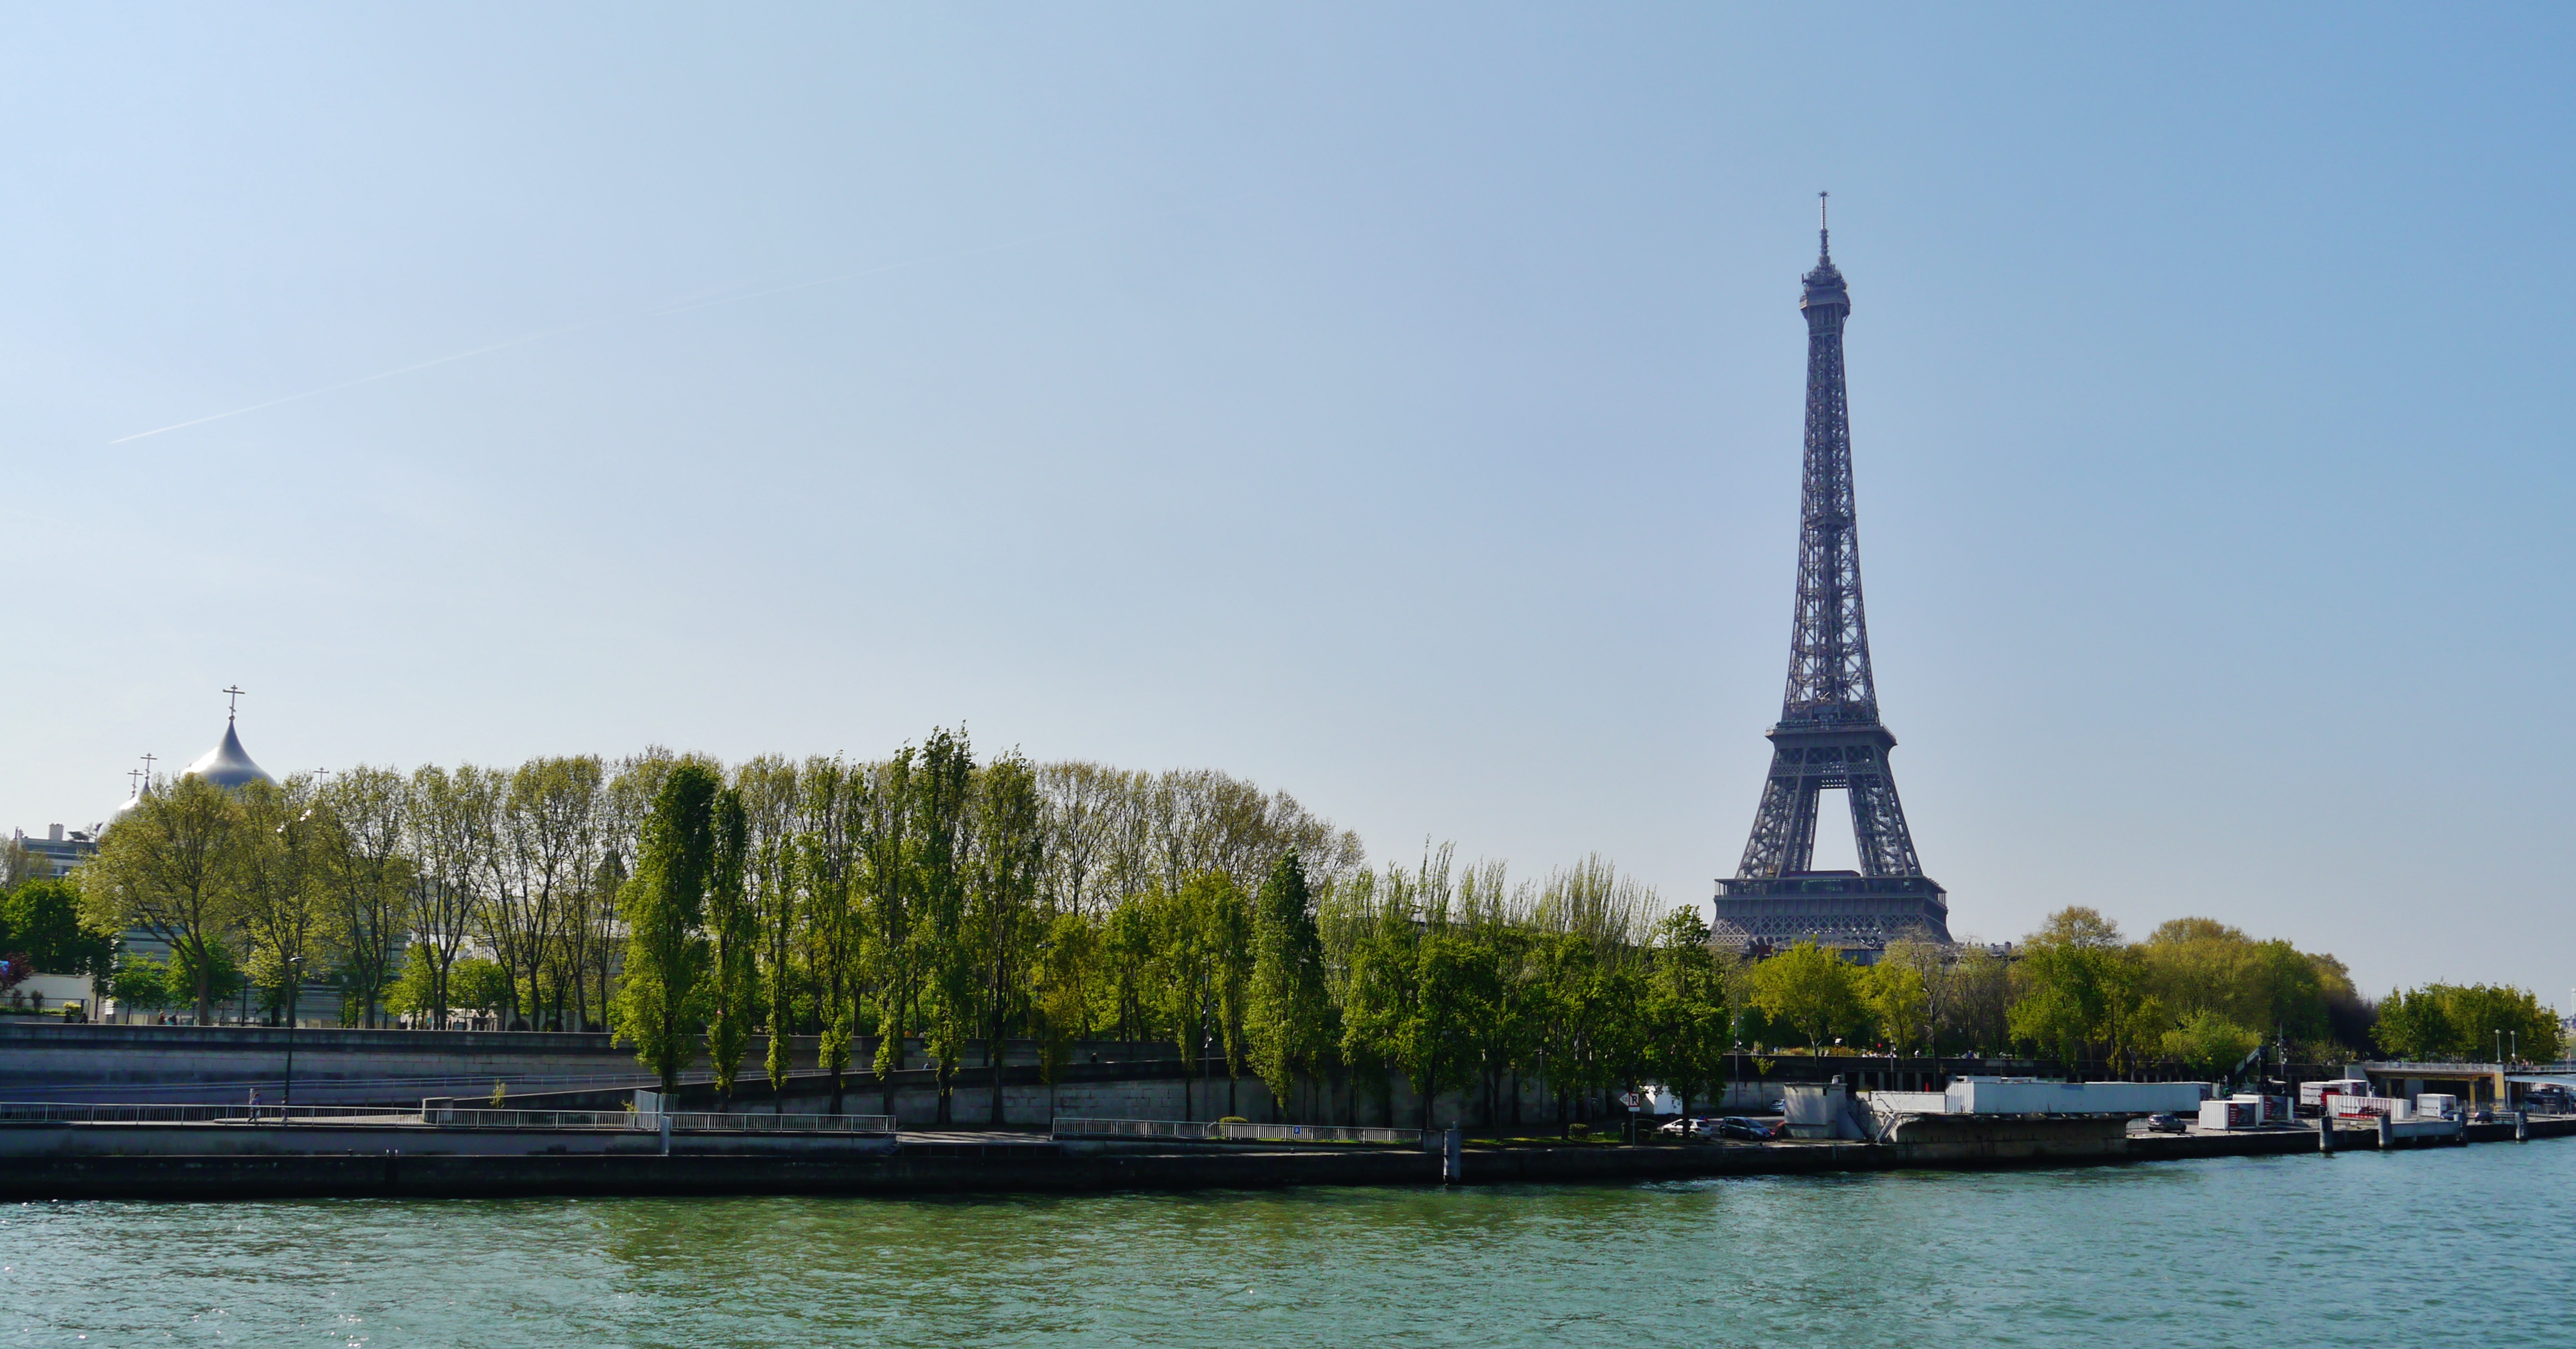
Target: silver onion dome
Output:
{"points": [[226, 765], [132, 803]]}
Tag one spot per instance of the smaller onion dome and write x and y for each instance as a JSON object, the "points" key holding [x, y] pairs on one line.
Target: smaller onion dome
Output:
{"points": [[132, 804]]}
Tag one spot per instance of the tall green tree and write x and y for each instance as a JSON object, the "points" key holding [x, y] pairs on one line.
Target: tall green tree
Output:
{"points": [[1899, 1002], [41, 920], [664, 906], [1126, 964], [1062, 993], [1457, 991], [1976, 1000], [1382, 992], [773, 797], [1181, 975], [1230, 949], [2208, 1043], [1289, 1019], [445, 827], [1813, 992], [829, 861], [544, 827], [165, 869], [1911, 1016], [282, 905], [366, 879], [1004, 921], [2085, 992], [733, 937], [943, 786], [1688, 1029], [893, 952]]}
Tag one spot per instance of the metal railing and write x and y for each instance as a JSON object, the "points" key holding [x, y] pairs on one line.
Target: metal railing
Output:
{"points": [[1194, 1132], [1067, 1127], [1316, 1133], [686, 1122], [681, 1121], [483, 1117], [472, 1086], [83, 1112]]}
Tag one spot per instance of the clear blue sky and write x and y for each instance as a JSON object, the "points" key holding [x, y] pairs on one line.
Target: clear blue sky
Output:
{"points": [[1393, 404]]}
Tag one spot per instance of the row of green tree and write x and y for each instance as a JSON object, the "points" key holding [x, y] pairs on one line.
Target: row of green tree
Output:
{"points": [[404, 889], [910, 909], [2455, 1023]]}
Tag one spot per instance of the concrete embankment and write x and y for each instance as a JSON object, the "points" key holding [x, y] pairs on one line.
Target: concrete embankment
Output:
{"points": [[234, 1161], [913, 1170]]}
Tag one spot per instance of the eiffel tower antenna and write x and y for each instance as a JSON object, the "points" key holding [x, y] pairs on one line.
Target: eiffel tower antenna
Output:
{"points": [[1829, 735]]}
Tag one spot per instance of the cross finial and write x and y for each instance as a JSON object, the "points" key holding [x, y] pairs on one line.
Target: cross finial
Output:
{"points": [[234, 709], [147, 766], [132, 781], [1824, 236]]}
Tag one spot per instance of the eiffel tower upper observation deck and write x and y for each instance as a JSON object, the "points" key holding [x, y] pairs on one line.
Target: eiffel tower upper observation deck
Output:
{"points": [[1829, 733]]}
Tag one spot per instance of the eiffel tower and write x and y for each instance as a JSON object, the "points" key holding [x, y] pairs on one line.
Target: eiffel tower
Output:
{"points": [[1829, 733]]}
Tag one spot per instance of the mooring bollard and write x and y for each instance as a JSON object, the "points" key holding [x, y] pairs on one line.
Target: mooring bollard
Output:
{"points": [[1449, 1155], [2522, 1126], [2325, 1131], [666, 1133], [2387, 1132]]}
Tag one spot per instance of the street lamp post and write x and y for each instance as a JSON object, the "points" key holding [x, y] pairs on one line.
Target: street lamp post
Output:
{"points": [[294, 985]]}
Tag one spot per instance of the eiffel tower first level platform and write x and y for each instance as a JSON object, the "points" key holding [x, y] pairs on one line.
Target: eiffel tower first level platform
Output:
{"points": [[1776, 900], [1844, 910], [1829, 737]]}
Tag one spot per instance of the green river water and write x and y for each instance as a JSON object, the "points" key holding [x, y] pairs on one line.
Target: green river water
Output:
{"points": [[2422, 1247]]}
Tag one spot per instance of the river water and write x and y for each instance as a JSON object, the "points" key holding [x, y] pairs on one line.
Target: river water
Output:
{"points": [[2428, 1247]]}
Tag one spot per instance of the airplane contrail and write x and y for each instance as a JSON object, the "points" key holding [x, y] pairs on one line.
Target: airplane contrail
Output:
{"points": [[353, 383], [683, 306]]}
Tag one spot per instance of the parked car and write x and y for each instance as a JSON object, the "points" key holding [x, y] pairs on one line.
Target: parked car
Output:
{"points": [[2167, 1123], [1702, 1129], [1750, 1130]]}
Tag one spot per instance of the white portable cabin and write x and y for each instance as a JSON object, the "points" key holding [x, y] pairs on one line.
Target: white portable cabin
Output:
{"points": [[2354, 1107], [2312, 1094], [2237, 1112]]}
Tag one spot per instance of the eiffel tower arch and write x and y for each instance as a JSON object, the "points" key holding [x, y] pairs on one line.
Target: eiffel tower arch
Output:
{"points": [[1829, 734]]}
